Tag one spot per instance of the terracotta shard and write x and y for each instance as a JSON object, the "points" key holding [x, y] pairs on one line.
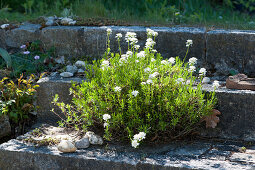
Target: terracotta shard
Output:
{"points": [[241, 82]]}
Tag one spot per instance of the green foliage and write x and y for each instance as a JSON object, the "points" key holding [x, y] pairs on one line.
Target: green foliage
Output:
{"points": [[242, 5], [16, 99], [27, 63], [7, 58], [142, 93]]}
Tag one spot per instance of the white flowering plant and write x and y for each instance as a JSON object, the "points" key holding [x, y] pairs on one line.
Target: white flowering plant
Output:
{"points": [[140, 97]]}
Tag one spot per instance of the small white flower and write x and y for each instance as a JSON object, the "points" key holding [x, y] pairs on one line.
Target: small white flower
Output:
{"points": [[154, 50], [133, 40], [109, 31], [152, 76], [192, 69], [135, 143], [147, 70], [206, 80], [4, 26], [106, 117], [202, 72], [129, 53], [117, 89], [153, 59], [189, 43], [150, 32], [37, 57], [137, 61], [192, 61], [135, 93], [23, 46], [179, 80], [137, 47], [129, 36], [26, 52], [105, 64], [149, 43], [118, 36], [106, 124], [163, 62], [143, 83], [216, 84], [123, 59], [171, 60], [149, 81], [141, 54]]}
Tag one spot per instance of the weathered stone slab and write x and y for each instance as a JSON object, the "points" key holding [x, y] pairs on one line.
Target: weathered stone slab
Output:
{"points": [[243, 157], [5, 127], [231, 50], [25, 33], [237, 114], [2, 38], [17, 155], [50, 86]]}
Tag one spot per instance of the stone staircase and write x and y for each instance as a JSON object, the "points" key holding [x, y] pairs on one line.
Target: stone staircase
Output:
{"points": [[218, 49]]}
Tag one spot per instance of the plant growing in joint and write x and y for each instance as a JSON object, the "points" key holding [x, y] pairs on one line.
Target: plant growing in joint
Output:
{"points": [[140, 97]]}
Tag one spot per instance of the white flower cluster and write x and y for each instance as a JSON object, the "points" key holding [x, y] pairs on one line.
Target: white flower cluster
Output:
{"points": [[131, 37], [164, 62], [117, 89], [150, 32], [192, 62], [152, 76], [189, 43], [141, 54], [106, 118], [192, 69], [138, 138], [147, 70], [135, 93], [171, 60], [202, 72], [179, 80], [149, 43], [216, 84], [109, 31], [105, 64], [118, 36]]}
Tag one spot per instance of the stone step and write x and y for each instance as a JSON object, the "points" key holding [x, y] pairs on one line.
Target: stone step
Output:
{"points": [[217, 50], [236, 107], [17, 155]]}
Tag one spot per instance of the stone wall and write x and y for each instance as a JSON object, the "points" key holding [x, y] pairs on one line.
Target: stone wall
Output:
{"points": [[218, 50]]}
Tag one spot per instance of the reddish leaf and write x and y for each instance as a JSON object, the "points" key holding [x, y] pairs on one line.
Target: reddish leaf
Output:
{"points": [[213, 119]]}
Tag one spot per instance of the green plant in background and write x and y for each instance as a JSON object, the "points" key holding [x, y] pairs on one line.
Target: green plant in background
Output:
{"points": [[16, 99], [30, 60], [139, 96]]}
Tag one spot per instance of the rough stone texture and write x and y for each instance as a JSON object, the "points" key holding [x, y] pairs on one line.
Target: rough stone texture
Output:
{"points": [[231, 49], [49, 86], [25, 33], [2, 38], [5, 127], [182, 155], [237, 114], [218, 50]]}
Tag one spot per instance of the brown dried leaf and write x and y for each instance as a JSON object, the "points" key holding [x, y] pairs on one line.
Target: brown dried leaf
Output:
{"points": [[26, 106], [213, 119]]}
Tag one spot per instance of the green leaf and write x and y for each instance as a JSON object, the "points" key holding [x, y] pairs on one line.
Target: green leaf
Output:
{"points": [[6, 56]]}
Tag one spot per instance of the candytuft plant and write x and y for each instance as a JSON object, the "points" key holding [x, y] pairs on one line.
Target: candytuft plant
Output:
{"points": [[138, 96]]}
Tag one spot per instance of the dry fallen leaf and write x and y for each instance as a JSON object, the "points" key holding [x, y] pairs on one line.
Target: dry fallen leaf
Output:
{"points": [[213, 119], [26, 106]]}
